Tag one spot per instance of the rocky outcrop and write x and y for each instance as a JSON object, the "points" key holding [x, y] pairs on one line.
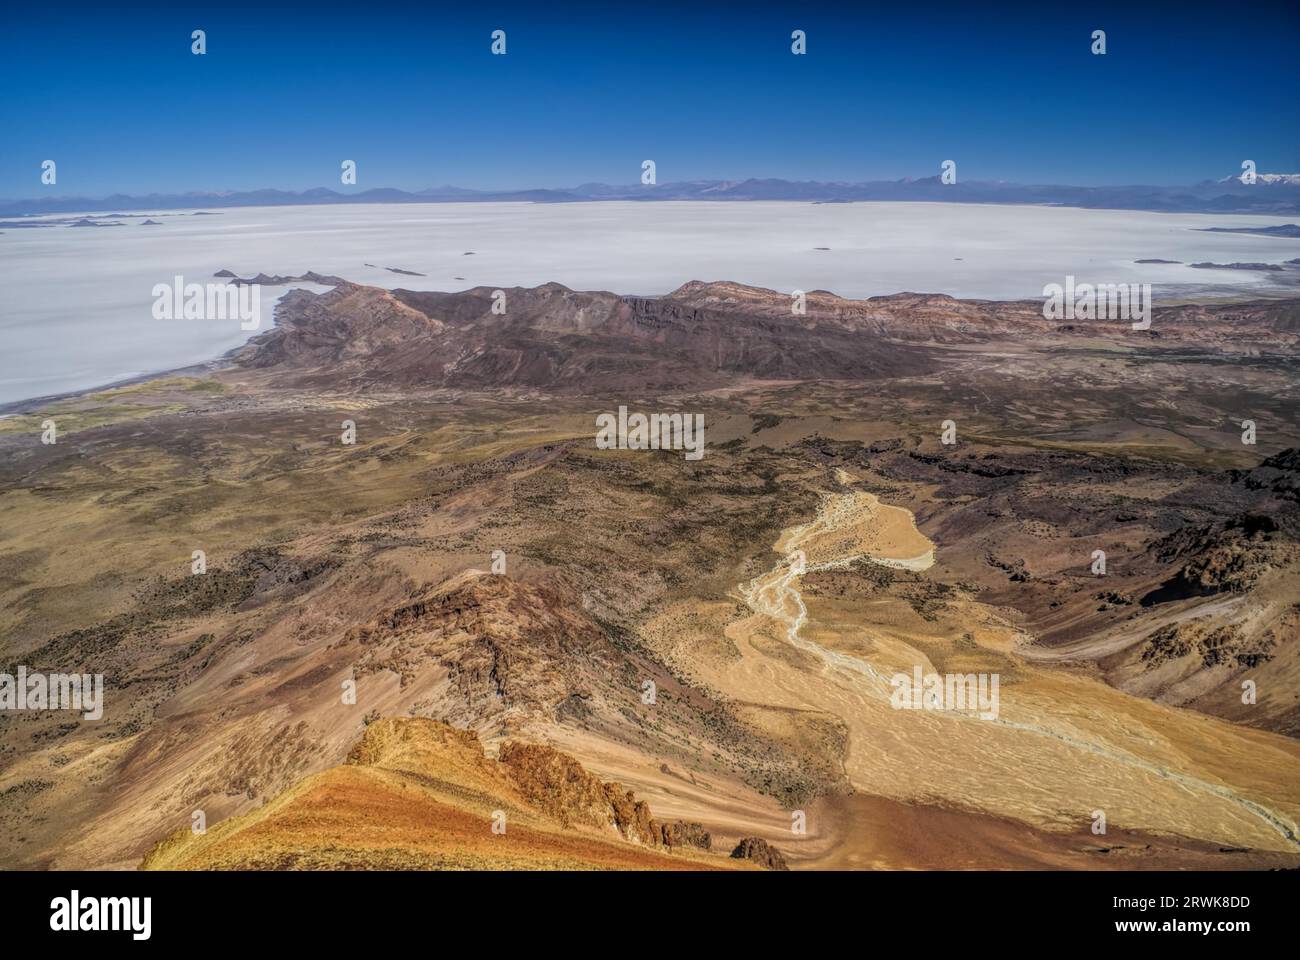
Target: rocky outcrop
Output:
{"points": [[552, 782], [418, 794], [558, 785], [1212, 644], [1279, 474], [310, 276], [1230, 557], [761, 852], [682, 834], [504, 643]]}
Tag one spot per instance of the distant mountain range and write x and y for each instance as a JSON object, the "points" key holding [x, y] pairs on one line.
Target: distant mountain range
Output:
{"points": [[1271, 194]]}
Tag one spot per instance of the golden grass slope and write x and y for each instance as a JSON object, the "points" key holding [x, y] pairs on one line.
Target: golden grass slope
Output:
{"points": [[417, 794]]}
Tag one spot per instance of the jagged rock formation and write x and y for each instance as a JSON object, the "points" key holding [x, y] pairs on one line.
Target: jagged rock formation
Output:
{"points": [[761, 852], [419, 794], [505, 644], [681, 834], [557, 784]]}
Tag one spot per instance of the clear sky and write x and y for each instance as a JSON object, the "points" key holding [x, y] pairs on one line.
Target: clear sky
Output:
{"points": [[412, 93]]}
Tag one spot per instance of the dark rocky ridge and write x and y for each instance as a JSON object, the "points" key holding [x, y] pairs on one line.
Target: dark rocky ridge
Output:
{"points": [[700, 336]]}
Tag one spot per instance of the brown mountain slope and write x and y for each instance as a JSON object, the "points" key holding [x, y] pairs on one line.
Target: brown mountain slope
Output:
{"points": [[417, 794], [557, 338], [932, 317], [701, 335]]}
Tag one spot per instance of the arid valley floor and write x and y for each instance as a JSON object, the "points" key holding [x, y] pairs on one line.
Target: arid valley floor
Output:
{"points": [[522, 692]]}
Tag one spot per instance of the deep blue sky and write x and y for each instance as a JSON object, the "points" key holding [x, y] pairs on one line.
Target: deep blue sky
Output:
{"points": [[414, 96]]}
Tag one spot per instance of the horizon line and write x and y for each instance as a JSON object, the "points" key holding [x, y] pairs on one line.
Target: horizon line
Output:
{"points": [[434, 188]]}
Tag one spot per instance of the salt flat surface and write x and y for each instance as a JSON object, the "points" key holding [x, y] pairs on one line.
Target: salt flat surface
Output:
{"points": [[77, 302]]}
